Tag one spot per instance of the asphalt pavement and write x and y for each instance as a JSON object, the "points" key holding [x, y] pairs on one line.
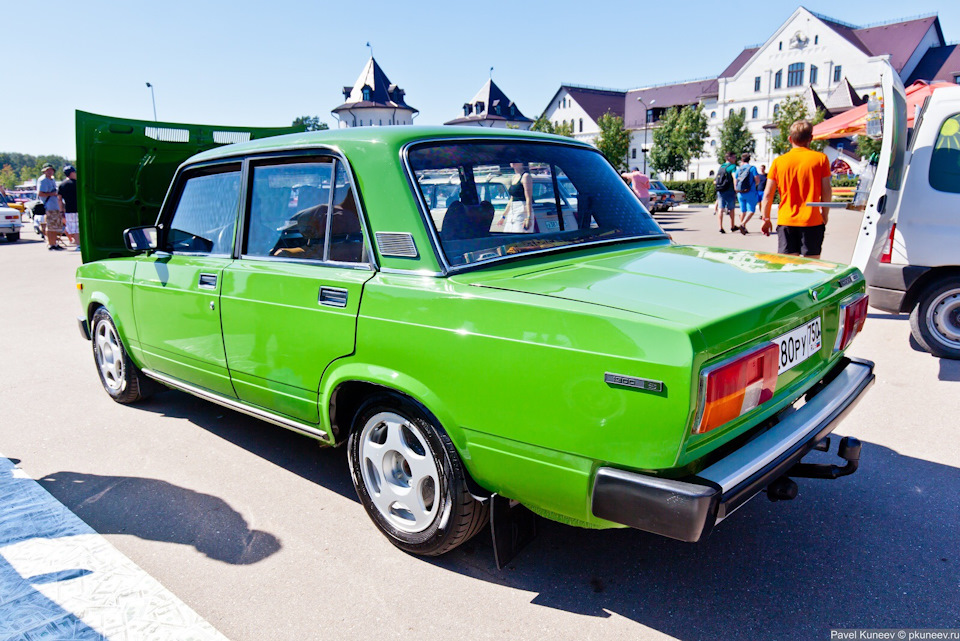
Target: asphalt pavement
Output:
{"points": [[259, 531]]}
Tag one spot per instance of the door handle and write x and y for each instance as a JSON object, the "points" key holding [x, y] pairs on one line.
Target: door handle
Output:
{"points": [[207, 281], [333, 297]]}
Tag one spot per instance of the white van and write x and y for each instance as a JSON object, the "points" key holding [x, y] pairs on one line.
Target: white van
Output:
{"points": [[909, 242]]}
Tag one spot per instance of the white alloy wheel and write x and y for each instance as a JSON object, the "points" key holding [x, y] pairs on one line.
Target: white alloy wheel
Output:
{"points": [[109, 355], [399, 472]]}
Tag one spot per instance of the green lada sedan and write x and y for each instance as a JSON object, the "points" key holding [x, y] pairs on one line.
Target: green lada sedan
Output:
{"points": [[543, 352]]}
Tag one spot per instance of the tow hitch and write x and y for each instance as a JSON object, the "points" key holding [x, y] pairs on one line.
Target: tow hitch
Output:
{"points": [[784, 489]]}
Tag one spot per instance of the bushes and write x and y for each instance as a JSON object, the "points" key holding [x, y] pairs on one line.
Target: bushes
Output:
{"points": [[698, 191]]}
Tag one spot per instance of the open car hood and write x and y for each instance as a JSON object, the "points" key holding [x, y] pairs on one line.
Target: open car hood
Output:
{"points": [[125, 167]]}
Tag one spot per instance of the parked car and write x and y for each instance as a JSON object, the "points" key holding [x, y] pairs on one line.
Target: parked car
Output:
{"points": [[7, 200], [595, 372], [661, 199], [908, 241]]}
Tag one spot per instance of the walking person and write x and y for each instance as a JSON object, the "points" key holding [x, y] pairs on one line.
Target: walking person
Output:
{"points": [[726, 190], [801, 176], [68, 195], [747, 183], [53, 207], [761, 183], [640, 184]]}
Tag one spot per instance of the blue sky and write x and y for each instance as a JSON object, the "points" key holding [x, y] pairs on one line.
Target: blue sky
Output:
{"points": [[264, 63]]}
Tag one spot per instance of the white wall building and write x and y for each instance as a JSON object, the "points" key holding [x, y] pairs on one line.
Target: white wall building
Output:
{"points": [[582, 107], [373, 101], [833, 65]]}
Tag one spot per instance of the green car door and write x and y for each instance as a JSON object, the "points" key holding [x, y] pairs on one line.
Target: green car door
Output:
{"points": [[176, 290], [290, 303]]}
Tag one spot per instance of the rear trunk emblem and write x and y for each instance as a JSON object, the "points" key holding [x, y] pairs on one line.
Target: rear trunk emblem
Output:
{"points": [[634, 382]]}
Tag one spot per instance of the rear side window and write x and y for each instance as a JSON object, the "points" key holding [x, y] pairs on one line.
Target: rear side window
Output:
{"points": [[288, 213], [945, 161], [206, 215]]}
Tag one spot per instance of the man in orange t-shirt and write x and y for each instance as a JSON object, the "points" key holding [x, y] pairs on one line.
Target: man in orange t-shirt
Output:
{"points": [[801, 176]]}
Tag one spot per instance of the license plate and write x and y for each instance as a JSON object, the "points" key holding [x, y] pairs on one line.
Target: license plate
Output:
{"points": [[799, 344]]}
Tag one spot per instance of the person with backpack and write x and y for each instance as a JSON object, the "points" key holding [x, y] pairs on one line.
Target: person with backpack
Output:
{"points": [[747, 183], [726, 190]]}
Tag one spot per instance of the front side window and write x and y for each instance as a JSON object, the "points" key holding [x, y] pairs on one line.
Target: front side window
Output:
{"points": [[945, 161], [795, 74], [206, 214], [288, 213], [502, 199]]}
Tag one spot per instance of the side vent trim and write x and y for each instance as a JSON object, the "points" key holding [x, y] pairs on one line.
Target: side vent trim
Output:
{"points": [[399, 244]]}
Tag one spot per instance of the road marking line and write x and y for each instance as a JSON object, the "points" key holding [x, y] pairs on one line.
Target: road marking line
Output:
{"points": [[60, 579]]}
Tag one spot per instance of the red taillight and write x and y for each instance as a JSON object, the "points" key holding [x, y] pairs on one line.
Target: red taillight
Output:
{"points": [[734, 388], [853, 314], [888, 248]]}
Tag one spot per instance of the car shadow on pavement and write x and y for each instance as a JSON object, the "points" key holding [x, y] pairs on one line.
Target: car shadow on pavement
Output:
{"points": [[879, 549], [159, 511], [294, 452]]}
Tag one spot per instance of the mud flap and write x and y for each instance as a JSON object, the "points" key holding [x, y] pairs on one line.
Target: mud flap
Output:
{"points": [[512, 527]]}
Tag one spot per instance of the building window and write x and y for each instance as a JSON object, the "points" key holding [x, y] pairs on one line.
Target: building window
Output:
{"points": [[713, 143], [513, 110], [756, 112], [956, 79], [776, 110], [633, 153], [795, 74], [778, 79], [711, 173], [649, 117], [781, 46], [816, 40], [479, 106], [581, 125], [813, 74], [692, 175], [713, 114], [837, 73], [756, 83], [366, 93]]}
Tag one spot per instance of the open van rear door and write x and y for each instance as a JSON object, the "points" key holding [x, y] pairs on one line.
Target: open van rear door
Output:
{"points": [[880, 213], [124, 168]]}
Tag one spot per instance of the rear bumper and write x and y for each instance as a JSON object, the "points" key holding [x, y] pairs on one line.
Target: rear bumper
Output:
{"points": [[9, 226], [688, 509], [888, 284]]}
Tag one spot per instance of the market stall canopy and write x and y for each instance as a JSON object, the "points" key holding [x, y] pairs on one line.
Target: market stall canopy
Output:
{"points": [[853, 122]]}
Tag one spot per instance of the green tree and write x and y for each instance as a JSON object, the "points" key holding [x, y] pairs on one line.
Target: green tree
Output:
{"points": [[8, 177], [792, 109], [310, 123], [867, 146], [543, 125], [679, 139], [614, 140], [735, 137]]}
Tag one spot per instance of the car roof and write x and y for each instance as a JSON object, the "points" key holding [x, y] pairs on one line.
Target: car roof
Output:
{"points": [[365, 137]]}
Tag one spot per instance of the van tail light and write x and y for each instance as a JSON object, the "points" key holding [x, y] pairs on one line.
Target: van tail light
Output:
{"points": [[853, 313], [888, 247], [733, 388]]}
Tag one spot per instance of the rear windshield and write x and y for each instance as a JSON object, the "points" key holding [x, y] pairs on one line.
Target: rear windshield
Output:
{"points": [[488, 200]]}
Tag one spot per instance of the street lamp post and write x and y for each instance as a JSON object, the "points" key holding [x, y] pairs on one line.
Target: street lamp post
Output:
{"points": [[154, 100], [646, 129]]}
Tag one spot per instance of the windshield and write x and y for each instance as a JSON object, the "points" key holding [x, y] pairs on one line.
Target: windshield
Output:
{"points": [[488, 200]]}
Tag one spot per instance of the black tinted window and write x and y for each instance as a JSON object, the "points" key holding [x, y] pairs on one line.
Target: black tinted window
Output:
{"points": [[206, 215], [488, 200]]}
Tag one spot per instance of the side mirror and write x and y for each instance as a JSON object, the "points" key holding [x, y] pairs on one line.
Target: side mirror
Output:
{"points": [[139, 239]]}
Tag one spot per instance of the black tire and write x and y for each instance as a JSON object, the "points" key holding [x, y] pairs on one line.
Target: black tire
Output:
{"points": [[935, 319], [13, 237], [451, 518], [120, 377]]}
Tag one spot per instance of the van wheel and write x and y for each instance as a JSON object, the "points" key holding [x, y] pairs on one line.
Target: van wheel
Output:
{"points": [[935, 320], [410, 478], [13, 237], [121, 379]]}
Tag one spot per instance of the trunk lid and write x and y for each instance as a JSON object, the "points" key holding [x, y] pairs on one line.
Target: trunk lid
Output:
{"points": [[125, 167]]}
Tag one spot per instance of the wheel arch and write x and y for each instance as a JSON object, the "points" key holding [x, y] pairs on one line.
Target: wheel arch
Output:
{"points": [[912, 297], [357, 383]]}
